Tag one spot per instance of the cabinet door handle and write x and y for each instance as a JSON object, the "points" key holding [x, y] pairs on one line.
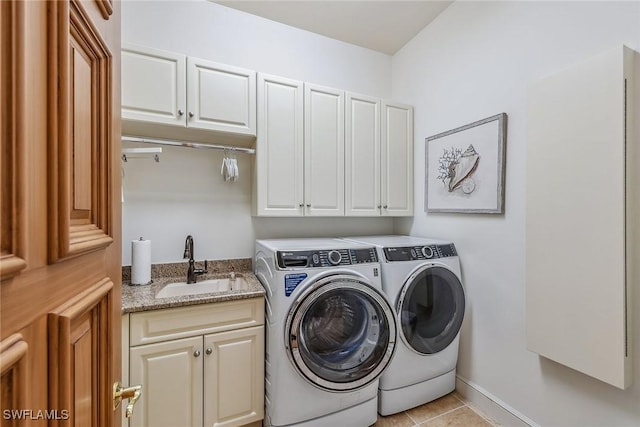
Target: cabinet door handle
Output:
{"points": [[191, 114], [379, 206], [209, 350], [308, 205], [180, 113], [196, 353], [385, 206], [302, 205]]}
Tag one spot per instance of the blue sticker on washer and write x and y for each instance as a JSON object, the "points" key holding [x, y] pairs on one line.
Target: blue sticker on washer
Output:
{"points": [[291, 281]]}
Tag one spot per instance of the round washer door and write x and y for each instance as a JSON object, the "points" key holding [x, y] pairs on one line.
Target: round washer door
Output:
{"points": [[430, 309], [340, 333]]}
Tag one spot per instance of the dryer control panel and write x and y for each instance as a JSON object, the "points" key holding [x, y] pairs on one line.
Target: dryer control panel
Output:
{"points": [[414, 253], [325, 258]]}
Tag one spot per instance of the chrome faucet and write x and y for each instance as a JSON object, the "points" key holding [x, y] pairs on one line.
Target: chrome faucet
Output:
{"points": [[192, 272]]}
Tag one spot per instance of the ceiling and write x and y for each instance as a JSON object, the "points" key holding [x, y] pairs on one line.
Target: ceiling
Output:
{"points": [[381, 25]]}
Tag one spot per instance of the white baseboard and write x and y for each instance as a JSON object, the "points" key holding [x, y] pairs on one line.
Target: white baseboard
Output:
{"points": [[490, 405]]}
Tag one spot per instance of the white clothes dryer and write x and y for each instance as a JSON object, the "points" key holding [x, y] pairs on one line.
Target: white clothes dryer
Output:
{"points": [[330, 331], [422, 278]]}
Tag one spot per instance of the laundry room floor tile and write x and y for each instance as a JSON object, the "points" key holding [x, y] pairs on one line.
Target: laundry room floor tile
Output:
{"points": [[461, 417], [395, 420], [433, 409], [448, 411]]}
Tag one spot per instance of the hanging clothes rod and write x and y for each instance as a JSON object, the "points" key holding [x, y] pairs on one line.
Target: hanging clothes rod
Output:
{"points": [[187, 144], [132, 153]]}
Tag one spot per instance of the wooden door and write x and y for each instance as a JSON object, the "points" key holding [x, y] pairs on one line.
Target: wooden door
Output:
{"points": [[323, 151], [362, 156], [60, 256], [279, 147]]}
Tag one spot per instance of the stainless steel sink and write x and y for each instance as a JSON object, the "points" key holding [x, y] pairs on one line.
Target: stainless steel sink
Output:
{"points": [[180, 289]]}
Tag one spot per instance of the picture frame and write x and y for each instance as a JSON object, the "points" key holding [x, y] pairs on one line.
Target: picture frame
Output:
{"points": [[465, 168]]}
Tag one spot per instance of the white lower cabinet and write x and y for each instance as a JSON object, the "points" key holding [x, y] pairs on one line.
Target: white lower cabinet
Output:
{"points": [[204, 379], [172, 378], [234, 382]]}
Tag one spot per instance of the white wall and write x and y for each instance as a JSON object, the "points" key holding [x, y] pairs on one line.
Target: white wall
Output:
{"points": [[208, 30], [476, 60], [184, 193]]}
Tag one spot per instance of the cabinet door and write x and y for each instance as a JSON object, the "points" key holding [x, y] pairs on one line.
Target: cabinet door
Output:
{"points": [[234, 377], [323, 151], [171, 376], [154, 85], [582, 199], [362, 156], [279, 147], [397, 159], [221, 97]]}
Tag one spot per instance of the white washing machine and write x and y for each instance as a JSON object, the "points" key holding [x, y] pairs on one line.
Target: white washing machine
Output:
{"points": [[330, 331], [421, 277]]}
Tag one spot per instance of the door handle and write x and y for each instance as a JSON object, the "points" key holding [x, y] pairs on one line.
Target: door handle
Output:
{"points": [[132, 393]]}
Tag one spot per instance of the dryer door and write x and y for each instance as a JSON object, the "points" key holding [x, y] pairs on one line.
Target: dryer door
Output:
{"points": [[430, 309], [341, 333]]}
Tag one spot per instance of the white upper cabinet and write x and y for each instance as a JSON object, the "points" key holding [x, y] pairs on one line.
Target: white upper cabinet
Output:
{"points": [[397, 159], [378, 157], [221, 97], [362, 156], [321, 152], [160, 87], [279, 184], [324, 151], [154, 85]]}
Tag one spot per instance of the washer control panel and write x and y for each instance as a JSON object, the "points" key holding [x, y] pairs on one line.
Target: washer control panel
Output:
{"points": [[413, 253], [325, 258]]}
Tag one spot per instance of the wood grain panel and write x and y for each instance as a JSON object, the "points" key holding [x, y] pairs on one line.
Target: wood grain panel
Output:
{"points": [[80, 335], [34, 89], [106, 8], [80, 121], [84, 371], [81, 131], [13, 383], [11, 84]]}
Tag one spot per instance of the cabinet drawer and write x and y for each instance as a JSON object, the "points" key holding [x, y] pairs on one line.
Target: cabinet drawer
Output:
{"points": [[173, 323]]}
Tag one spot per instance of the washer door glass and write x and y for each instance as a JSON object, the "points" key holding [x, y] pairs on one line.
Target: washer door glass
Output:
{"points": [[431, 309], [341, 333]]}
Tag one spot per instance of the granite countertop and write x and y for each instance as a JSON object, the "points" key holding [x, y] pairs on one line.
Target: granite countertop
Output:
{"points": [[143, 297]]}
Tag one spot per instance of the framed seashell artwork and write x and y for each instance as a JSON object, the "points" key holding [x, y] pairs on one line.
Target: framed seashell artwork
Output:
{"points": [[465, 168]]}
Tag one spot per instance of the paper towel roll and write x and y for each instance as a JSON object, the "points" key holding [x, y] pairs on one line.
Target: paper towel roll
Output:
{"points": [[140, 262]]}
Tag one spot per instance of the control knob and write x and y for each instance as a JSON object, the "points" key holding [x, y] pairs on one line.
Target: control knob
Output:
{"points": [[427, 252], [334, 257]]}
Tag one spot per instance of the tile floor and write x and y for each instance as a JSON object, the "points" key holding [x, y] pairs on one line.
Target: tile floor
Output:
{"points": [[448, 411]]}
